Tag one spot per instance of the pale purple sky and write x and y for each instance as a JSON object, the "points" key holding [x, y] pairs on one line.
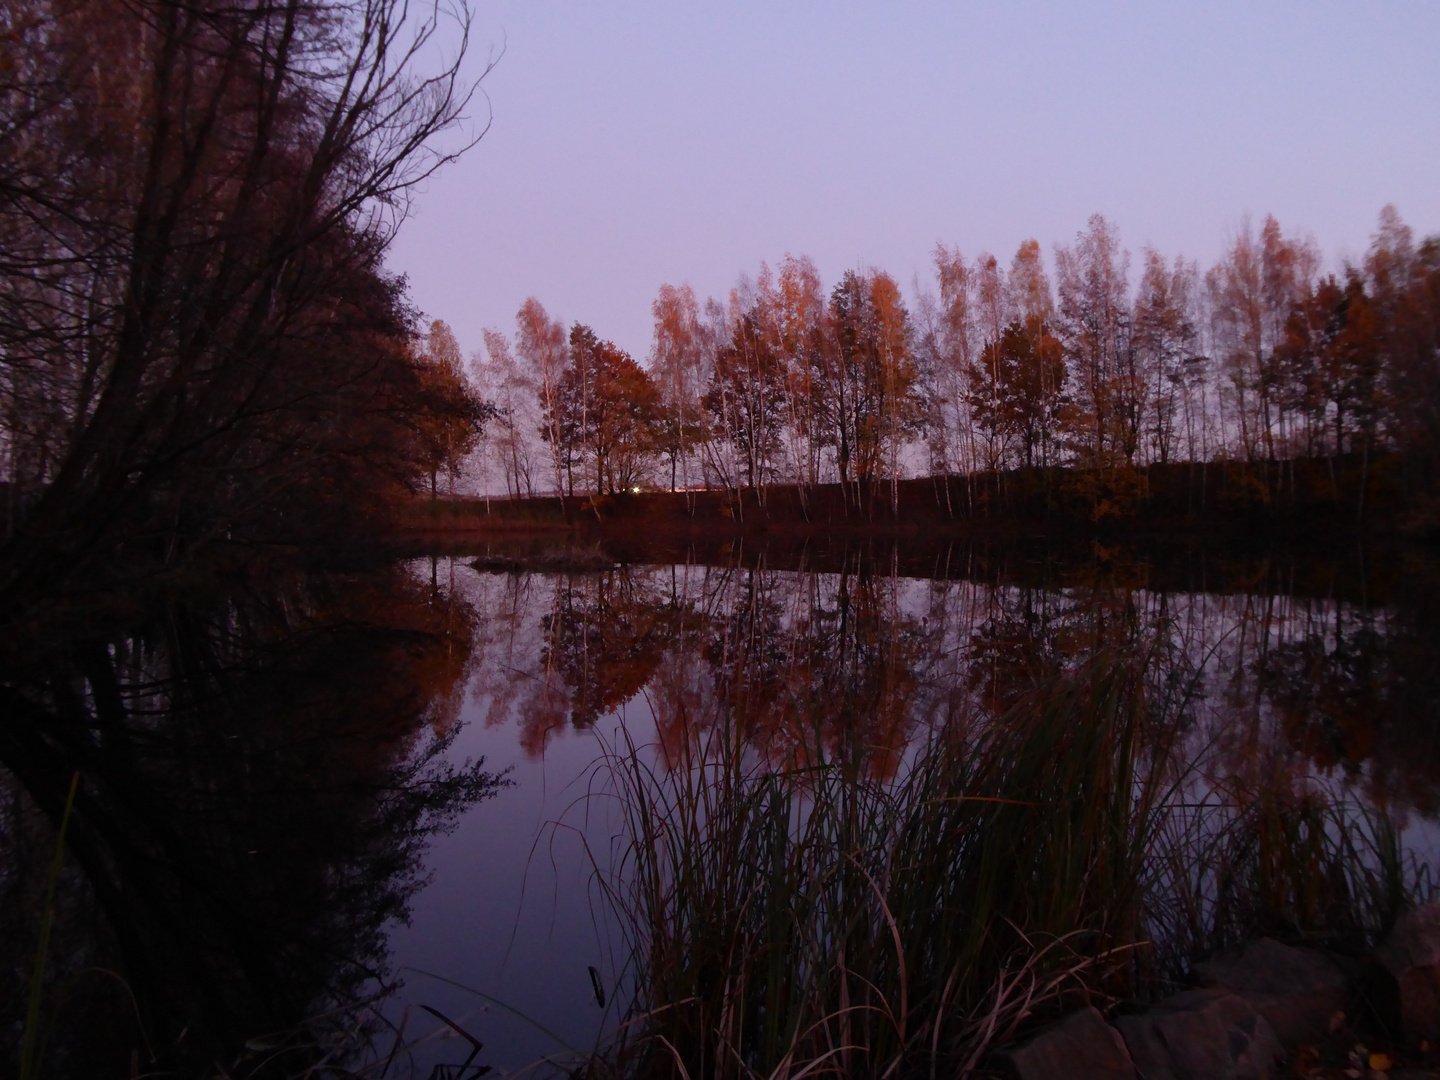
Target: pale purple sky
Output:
{"points": [[636, 144]]}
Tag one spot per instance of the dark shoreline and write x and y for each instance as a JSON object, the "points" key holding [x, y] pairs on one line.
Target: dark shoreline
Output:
{"points": [[1357, 570], [1029, 526], [1353, 495]]}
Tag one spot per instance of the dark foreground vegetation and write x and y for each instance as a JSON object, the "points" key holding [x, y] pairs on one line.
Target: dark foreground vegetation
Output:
{"points": [[202, 357], [210, 394]]}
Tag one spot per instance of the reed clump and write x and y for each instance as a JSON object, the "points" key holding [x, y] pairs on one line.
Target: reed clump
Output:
{"points": [[816, 920], [1278, 855]]}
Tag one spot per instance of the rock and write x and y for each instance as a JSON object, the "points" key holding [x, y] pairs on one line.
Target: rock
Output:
{"points": [[1412, 955], [1201, 1035], [1080, 1047], [1296, 990]]}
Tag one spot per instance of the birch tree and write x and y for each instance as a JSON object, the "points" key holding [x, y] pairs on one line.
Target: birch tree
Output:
{"points": [[516, 417], [677, 361], [540, 344]]}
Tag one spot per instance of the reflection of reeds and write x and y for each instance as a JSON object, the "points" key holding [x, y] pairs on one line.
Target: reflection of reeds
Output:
{"points": [[1281, 857], [816, 920]]}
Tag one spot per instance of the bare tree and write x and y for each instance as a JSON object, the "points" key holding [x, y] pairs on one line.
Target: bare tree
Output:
{"points": [[194, 202], [1163, 340], [1253, 289], [799, 316], [954, 350]]}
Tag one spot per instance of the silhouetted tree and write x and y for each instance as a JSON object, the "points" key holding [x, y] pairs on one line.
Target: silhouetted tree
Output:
{"points": [[1094, 325], [200, 347]]}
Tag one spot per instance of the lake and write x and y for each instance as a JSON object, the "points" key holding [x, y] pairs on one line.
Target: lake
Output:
{"points": [[1315, 667], [280, 809]]}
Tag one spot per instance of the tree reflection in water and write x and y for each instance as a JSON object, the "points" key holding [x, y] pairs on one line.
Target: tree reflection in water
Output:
{"points": [[800, 663], [259, 771], [855, 664]]}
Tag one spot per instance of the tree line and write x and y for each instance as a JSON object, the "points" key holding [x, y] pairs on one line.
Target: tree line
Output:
{"points": [[1262, 357]]}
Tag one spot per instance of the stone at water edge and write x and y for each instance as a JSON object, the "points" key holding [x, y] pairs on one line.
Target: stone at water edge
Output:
{"points": [[1296, 990], [1412, 955], [1201, 1035], [1080, 1047]]}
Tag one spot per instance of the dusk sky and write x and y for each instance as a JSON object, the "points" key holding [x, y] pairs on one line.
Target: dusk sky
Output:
{"points": [[636, 144]]}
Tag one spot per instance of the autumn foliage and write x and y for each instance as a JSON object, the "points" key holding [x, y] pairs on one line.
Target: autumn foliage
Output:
{"points": [[1261, 360]]}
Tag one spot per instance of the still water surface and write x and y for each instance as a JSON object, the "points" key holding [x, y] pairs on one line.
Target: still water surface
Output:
{"points": [[279, 805], [1309, 667]]}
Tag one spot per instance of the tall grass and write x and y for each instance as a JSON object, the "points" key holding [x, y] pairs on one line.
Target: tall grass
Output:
{"points": [[1278, 856], [815, 920]]}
